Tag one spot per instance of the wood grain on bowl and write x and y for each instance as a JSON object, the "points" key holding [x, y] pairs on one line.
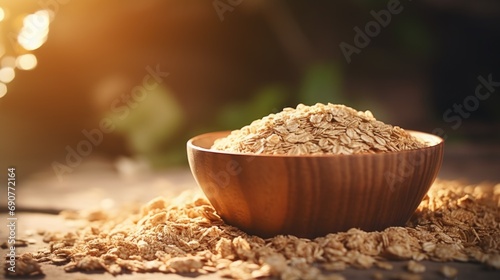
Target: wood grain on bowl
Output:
{"points": [[309, 195]]}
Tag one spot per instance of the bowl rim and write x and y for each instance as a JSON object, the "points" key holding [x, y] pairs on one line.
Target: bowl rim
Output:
{"points": [[438, 141]]}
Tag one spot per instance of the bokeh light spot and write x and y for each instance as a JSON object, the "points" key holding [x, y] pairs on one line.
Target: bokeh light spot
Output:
{"points": [[8, 61], [35, 30], [26, 61], [3, 90], [2, 14], [7, 74]]}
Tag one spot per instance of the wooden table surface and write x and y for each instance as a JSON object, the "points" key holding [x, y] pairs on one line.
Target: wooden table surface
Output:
{"points": [[97, 183]]}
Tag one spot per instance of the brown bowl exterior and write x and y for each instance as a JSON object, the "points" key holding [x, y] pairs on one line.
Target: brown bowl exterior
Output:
{"points": [[310, 196]]}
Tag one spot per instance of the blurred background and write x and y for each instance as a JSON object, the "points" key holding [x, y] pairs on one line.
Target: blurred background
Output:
{"points": [[131, 81]]}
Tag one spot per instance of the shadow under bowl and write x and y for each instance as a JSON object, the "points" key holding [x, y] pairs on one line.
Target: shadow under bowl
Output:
{"points": [[313, 195]]}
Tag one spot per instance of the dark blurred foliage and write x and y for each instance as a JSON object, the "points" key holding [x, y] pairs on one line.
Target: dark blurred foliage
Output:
{"points": [[263, 56]]}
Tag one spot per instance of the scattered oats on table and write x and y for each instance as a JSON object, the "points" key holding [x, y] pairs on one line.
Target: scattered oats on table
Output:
{"points": [[448, 271], [318, 129], [26, 265], [454, 222], [415, 267]]}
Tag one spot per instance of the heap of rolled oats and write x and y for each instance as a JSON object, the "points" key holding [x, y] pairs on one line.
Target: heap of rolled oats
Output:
{"points": [[454, 222], [318, 129]]}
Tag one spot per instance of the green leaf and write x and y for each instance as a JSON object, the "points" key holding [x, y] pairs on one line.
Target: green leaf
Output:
{"points": [[265, 101], [149, 123], [322, 83]]}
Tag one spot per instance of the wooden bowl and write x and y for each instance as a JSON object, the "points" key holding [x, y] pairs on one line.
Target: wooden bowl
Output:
{"points": [[313, 195]]}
